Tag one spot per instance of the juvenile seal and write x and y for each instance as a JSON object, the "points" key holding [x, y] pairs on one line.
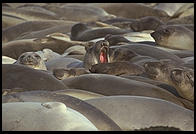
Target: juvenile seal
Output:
{"points": [[49, 116], [177, 37], [32, 60], [156, 111]]}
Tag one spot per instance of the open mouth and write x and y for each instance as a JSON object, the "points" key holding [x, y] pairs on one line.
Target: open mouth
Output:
{"points": [[103, 55]]}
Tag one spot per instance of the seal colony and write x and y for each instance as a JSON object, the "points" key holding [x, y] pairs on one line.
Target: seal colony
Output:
{"points": [[76, 67]]}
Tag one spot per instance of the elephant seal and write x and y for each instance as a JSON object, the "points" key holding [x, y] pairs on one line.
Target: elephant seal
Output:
{"points": [[130, 10], [156, 111], [65, 28], [183, 79], [27, 14], [9, 21], [83, 12], [63, 62], [96, 53], [48, 54], [14, 49], [19, 76], [177, 37], [22, 29], [55, 114], [80, 32], [147, 50], [162, 71], [62, 73], [101, 84], [117, 68], [32, 60], [94, 115]]}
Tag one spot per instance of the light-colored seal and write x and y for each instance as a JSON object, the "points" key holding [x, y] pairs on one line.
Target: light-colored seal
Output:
{"points": [[177, 37], [138, 112], [94, 115], [63, 62], [32, 60], [48, 116]]}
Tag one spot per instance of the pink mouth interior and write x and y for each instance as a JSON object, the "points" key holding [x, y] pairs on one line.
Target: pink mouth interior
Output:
{"points": [[103, 57]]}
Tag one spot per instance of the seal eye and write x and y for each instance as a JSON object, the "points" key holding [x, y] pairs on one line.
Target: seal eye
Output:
{"points": [[22, 56], [166, 31], [37, 56]]}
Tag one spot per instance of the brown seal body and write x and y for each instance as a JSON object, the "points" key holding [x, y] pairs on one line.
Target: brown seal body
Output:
{"points": [[19, 76], [117, 68]]}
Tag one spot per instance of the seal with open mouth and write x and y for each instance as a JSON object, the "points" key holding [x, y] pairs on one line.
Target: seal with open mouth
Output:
{"points": [[96, 53]]}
